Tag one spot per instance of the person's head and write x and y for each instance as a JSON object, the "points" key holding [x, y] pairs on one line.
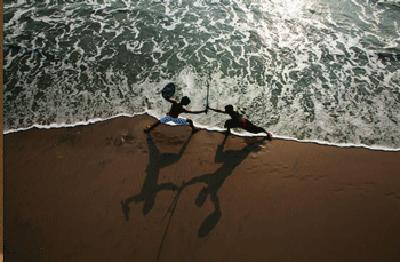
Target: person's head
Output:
{"points": [[229, 108], [185, 100]]}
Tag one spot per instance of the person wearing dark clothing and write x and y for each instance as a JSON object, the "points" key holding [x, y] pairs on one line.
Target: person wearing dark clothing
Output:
{"points": [[238, 121]]}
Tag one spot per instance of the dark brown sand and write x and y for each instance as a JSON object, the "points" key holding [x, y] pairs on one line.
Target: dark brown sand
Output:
{"points": [[281, 201]]}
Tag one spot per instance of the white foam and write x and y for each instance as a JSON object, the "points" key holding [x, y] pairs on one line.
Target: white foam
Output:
{"points": [[210, 128], [290, 44], [62, 125]]}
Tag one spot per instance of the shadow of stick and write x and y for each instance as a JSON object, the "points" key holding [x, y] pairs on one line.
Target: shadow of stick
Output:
{"points": [[171, 211]]}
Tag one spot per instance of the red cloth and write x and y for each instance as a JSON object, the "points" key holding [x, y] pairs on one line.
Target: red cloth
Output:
{"points": [[244, 123]]}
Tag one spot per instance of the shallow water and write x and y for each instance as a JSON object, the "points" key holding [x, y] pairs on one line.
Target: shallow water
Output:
{"points": [[313, 69]]}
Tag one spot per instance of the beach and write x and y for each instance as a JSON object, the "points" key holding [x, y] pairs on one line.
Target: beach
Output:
{"points": [[83, 182], [108, 192]]}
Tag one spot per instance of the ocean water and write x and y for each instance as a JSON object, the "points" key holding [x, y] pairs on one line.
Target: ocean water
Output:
{"points": [[319, 70]]}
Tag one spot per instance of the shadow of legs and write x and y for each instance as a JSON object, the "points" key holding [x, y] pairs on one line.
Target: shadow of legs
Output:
{"points": [[211, 220], [201, 197]]}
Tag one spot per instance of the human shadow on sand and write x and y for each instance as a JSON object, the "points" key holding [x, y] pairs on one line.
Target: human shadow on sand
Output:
{"points": [[230, 160], [151, 187]]}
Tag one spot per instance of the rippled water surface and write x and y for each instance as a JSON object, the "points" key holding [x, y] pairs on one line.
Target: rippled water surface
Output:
{"points": [[326, 70]]}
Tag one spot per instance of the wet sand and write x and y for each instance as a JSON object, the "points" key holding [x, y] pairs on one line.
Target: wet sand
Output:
{"points": [[107, 192]]}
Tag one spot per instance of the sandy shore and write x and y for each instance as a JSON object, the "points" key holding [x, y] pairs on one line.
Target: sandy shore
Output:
{"points": [[106, 192]]}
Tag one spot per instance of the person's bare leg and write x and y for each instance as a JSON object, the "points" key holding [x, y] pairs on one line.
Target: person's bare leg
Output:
{"points": [[225, 138], [148, 129], [256, 129], [228, 124], [194, 129], [269, 135]]}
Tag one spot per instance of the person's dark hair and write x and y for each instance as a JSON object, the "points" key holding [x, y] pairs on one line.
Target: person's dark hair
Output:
{"points": [[228, 108], [185, 100]]}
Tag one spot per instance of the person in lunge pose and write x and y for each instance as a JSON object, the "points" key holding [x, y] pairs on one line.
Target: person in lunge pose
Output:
{"points": [[173, 114], [238, 121]]}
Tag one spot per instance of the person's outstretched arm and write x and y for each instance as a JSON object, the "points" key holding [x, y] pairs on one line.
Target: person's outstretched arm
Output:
{"points": [[218, 111]]}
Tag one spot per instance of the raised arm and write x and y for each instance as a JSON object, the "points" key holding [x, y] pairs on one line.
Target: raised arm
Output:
{"points": [[171, 100]]}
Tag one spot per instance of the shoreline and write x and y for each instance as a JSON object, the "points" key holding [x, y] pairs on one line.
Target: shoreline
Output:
{"points": [[216, 129], [70, 192]]}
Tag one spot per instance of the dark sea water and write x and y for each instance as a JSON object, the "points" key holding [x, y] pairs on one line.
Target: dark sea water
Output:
{"points": [[323, 70]]}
